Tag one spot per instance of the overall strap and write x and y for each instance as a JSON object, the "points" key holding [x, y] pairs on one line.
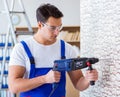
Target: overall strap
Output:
{"points": [[62, 49], [31, 58]]}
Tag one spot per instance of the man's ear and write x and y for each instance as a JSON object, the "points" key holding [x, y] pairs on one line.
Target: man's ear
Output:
{"points": [[39, 24]]}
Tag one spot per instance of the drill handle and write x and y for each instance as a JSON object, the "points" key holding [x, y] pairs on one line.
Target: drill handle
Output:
{"points": [[90, 68], [55, 84]]}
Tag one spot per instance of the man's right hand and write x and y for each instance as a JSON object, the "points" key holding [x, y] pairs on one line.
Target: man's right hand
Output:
{"points": [[52, 76]]}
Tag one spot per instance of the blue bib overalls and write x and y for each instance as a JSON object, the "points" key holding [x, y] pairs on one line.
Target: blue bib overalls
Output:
{"points": [[46, 89]]}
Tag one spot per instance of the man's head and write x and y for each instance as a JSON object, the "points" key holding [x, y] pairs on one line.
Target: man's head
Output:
{"points": [[49, 22], [47, 10]]}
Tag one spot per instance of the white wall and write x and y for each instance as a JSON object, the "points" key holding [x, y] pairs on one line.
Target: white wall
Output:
{"points": [[100, 37], [70, 9]]}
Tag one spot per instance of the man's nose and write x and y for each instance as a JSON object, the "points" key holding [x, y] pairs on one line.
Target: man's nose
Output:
{"points": [[56, 32]]}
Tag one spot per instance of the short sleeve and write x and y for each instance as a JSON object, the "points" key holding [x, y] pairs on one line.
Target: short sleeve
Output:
{"points": [[17, 56]]}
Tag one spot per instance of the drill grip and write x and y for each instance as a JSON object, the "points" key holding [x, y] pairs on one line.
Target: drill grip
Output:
{"points": [[92, 83], [90, 68], [55, 84]]}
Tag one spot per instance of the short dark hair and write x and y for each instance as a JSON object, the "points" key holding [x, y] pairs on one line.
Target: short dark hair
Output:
{"points": [[45, 11]]}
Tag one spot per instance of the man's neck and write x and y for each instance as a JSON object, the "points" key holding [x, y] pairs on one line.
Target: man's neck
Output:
{"points": [[42, 41]]}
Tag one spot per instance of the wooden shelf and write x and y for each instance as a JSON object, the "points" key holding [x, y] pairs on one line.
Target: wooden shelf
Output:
{"points": [[71, 28], [26, 29], [77, 43], [73, 35]]}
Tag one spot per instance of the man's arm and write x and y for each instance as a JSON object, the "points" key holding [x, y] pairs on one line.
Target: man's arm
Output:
{"points": [[19, 84], [81, 82]]}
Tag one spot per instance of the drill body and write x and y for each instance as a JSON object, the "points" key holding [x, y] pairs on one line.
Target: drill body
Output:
{"points": [[74, 64]]}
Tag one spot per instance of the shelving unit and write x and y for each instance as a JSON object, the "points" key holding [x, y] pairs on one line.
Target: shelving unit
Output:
{"points": [[69, 29], [72, 36]]}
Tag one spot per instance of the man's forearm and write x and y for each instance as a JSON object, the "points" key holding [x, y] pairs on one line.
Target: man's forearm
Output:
{"points": [[82, 84], [22, 85]]}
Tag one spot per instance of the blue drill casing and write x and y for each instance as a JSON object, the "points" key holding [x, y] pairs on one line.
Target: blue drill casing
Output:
{"points": [[70, 64]]}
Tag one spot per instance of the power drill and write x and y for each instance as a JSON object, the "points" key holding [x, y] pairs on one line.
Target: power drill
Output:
{"points": [[74, 64]]}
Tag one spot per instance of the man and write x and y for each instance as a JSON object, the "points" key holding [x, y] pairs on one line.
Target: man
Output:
{"points": [[31, 62]]}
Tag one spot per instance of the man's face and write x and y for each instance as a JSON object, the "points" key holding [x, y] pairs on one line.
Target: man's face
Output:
{"points": [[51, 28]]}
